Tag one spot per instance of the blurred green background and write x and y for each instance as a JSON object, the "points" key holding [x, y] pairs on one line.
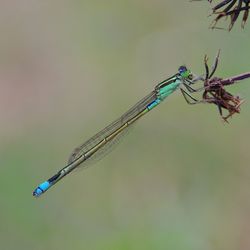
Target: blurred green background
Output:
{"points": [[180, 180]]}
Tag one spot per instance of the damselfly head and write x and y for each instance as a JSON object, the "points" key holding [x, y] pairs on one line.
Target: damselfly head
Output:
{"points": [[185, 73]]}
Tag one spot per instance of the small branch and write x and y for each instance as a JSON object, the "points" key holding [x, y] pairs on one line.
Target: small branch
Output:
{"points": [[215, 92]]}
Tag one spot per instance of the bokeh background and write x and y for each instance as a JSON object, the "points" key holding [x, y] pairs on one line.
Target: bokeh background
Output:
{"points": [[180, 180]]}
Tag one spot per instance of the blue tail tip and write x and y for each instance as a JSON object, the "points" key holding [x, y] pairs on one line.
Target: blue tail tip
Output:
{"points": [[37, 192], [41, 189]]}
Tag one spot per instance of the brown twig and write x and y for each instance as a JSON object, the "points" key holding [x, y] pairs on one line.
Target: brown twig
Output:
{"points": [[215, 92]]}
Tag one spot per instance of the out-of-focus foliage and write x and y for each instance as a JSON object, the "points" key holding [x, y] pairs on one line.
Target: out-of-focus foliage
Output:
{"points": [[231, 9], [180, 179]]}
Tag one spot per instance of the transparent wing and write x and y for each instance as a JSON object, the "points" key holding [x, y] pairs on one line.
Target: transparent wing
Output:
{"points": [[106, 149], [82, 149]]}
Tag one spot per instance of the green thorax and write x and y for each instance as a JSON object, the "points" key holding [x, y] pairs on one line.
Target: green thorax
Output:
{"points": [[168, 86]]}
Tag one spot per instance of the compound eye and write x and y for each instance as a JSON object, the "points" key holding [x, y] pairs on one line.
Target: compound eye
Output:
{"points": [[182, 69]]}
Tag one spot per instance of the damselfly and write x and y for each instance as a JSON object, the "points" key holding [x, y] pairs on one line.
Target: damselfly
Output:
{"points": [[100, 144]]}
